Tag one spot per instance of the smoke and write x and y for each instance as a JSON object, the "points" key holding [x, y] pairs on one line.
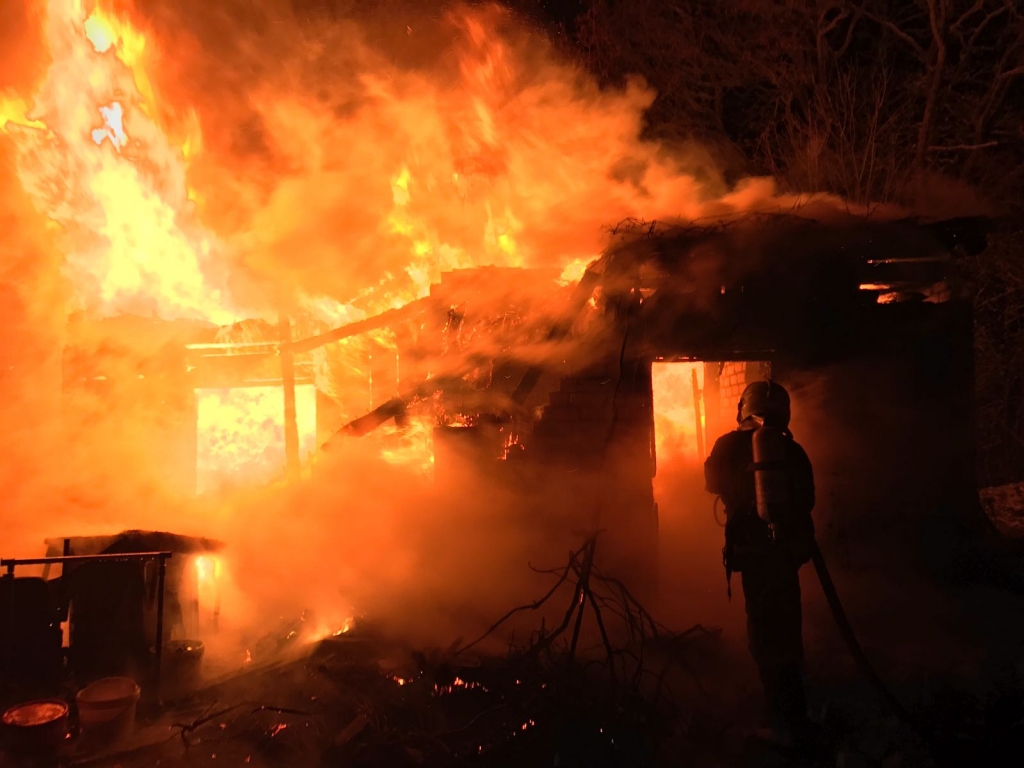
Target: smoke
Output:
{"points": [[334, 165], [386, 143]]}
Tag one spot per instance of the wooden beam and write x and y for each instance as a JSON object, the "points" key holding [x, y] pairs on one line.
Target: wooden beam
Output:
{"points": [[291, 427], [356, 328], [696, 414]]}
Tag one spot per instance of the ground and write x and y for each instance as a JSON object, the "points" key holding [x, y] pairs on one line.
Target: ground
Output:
{"points": [[950, 651]]}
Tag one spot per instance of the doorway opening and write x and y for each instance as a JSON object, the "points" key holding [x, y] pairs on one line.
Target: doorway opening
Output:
{"points": [[694, 404], [240, 434]]}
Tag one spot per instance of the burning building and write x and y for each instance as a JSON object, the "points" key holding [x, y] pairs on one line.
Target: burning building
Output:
{"points": [[567, 389], [410, 264], [858, 317]]}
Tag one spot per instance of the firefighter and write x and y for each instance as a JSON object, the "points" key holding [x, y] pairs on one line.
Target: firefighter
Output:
{"points": [[767, 539]]}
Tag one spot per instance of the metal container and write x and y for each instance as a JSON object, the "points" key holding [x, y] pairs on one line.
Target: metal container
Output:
{"points": [[35, 728], [182, 667]]}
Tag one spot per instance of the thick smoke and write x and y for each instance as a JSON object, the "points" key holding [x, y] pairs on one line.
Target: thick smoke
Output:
{"points": [[384, 143], [350, 157]]}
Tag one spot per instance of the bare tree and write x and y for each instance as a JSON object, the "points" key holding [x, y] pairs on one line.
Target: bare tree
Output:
{"points": [[969, 53], [855, 97], [869, 99]]}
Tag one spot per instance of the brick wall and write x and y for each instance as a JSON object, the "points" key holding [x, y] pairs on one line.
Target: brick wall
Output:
{"points": [[732, 381]]}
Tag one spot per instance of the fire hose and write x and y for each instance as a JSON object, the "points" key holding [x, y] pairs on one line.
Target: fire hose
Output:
{"points": [[853, 645], [849, 637]]}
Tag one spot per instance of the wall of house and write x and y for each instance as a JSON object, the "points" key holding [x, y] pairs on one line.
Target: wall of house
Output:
{"points": [[594, 448], [889, 428]]}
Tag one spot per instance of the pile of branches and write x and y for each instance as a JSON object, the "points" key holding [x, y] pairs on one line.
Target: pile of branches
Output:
{"points": [[626, 661], [553, 698]]}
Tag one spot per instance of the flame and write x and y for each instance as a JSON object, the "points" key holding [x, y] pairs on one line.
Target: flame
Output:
{"points": [[573, 271], [510, 159], [675, 410], [458, 683], [511, 441], [14, 110], [325, 630], [207, 569], [240, 433], [411, 445], [208, 575], [96, 162], [106, 31]]}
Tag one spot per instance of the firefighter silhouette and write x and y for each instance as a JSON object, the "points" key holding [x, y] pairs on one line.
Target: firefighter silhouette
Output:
{"points": [[766, 484]]}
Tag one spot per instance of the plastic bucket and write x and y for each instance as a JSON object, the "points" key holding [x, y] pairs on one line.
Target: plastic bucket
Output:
{"points": [[35, 727], [106, 709]]}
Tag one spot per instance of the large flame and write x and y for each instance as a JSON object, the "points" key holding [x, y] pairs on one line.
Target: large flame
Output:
{"points": [[241, 433], [338, 182], [95, 162], [215, 161], [347, 193]]}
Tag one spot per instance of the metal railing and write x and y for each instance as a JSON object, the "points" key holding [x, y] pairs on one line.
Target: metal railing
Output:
{"points": [[128, 557]]}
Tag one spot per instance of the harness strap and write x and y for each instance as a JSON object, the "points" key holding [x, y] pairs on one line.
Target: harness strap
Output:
{"points": [[728, 573]]}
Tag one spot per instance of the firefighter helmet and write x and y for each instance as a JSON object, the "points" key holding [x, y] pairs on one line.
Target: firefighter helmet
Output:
{"points": [[766, 399]]}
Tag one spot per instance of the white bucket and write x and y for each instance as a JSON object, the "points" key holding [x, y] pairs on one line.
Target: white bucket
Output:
{"points": [[106, 708]]}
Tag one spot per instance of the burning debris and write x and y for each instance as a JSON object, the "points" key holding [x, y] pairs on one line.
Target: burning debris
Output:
{"points": [[447, 708]]}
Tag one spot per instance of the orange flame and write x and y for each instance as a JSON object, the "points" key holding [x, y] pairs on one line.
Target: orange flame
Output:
{"points": [[676, 410], [95, 162], [358, 192]]}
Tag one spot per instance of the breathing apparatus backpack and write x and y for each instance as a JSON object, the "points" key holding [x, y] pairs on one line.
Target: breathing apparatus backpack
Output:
{"points": [[780, 522]]}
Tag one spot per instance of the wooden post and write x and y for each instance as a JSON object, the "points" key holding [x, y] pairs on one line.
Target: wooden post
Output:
{"points": [[158, 655], [291, 427], [713, 425], [696, 413]]}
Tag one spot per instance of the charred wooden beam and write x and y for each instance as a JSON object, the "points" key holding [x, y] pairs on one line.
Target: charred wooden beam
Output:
{"points": [[395, 408], [390, 317]]}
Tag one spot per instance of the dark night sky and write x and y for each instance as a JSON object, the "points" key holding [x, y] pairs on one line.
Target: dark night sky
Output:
{"points": [[552, 11]]}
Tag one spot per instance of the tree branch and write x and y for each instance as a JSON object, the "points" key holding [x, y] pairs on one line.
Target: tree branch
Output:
{"points": [[964, 147], [978, 5], [934, 86], [1015, 72], [885, 23]]}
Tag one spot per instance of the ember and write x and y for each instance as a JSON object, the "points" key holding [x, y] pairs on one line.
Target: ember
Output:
{"points": [[458, 684]]}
